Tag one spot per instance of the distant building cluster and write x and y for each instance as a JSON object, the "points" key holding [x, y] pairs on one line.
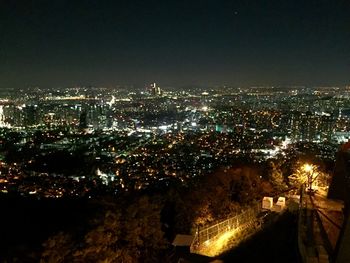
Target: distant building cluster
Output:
{"points": [[123, 139], [318, 114]]}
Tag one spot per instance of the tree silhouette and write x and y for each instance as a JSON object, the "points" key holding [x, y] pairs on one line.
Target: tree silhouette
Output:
{"points": [[306, 174], [276, 176], [57, 248], [123, 234]]}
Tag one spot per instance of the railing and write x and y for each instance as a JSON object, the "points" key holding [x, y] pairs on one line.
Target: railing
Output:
{"points": [[207, 234], [302, 221], [312, 248]]}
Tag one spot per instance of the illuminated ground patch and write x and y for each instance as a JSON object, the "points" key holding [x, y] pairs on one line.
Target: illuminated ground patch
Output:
{"points": [[225, 241]]}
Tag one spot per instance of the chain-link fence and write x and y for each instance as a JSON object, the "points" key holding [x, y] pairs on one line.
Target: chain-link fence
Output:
{"points": [[209, 233]]}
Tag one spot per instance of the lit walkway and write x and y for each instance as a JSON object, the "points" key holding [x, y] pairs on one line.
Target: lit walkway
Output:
{"points": [[227, 240], [224, 235]]}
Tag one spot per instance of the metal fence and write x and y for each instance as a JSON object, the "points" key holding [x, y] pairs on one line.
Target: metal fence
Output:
{"points": [[211, 232]]}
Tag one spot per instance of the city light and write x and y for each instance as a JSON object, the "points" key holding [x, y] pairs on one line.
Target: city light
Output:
{"points": [[218, 123], [309, 175]]}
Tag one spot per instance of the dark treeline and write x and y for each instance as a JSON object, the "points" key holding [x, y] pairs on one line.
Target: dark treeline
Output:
{"points": [[128, 227]]}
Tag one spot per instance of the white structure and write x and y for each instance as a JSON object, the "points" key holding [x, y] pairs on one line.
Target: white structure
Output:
{"points": [[183, 241], [267, 203], [2, 116], [280, 204]]}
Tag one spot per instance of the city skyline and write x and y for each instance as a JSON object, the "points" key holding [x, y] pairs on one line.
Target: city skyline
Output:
{"points": [[203, 43], [210, 161]]}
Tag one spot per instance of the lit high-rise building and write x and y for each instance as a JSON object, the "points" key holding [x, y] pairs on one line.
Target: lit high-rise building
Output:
{"points": [[155, 90]]}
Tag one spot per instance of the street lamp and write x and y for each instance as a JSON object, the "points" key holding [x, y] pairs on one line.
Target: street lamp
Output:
{"points": [[307, 167], [311, 173], [306, 174]]}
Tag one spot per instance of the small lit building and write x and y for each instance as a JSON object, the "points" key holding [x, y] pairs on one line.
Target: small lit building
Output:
{"points": [[280, 204], [267, 203]]}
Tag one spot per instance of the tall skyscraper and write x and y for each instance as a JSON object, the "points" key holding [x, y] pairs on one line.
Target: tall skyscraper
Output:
{"points": [[83, 120], [155, 90]]}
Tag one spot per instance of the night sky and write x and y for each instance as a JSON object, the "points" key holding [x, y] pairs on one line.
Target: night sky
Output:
{"points": [[175, 43]]}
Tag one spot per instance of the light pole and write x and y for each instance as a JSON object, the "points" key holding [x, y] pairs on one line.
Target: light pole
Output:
{"points": [[311, 175]]}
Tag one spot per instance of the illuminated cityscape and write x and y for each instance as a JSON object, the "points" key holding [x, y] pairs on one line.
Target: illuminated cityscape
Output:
{"points": [[87, 143], [174, 131], [141, 138]]}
